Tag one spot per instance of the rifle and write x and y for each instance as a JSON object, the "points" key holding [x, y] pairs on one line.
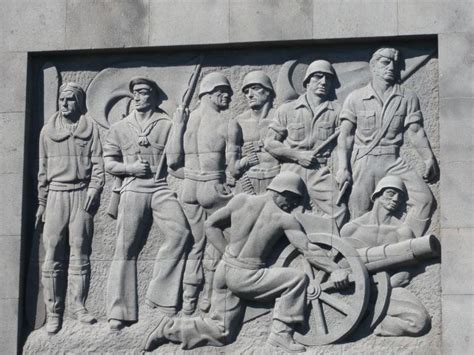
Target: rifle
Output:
{"points": [[192, 83], [185, 102]]}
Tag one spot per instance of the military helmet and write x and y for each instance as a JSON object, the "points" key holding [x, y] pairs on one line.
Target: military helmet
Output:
{"points": [[211, 81], [257, 77], [287, 181], [389, 181], [322, 66]]}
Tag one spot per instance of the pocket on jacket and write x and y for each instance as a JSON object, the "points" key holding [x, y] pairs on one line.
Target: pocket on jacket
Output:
{"points": [[366, 121], [296, 131]]}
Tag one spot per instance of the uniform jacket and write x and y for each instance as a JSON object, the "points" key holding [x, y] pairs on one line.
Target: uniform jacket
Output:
{"points": [[69, 160]]}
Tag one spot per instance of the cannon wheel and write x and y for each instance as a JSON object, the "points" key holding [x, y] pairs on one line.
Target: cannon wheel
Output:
{"points": [[379, 297], [332, 314]]}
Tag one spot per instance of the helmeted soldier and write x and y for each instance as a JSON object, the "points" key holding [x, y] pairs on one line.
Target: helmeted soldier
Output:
{"points": [[242, 273], [206, 146], [373, 122], [301, 126], [135, 151], [257, 165], [70, 181], [382, 225]]}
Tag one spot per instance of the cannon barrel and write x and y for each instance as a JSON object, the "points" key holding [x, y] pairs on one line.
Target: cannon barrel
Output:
{"points": [[403, 253]]}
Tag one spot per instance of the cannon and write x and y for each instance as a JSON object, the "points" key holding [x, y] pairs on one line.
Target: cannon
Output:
{"points": [[334, 313]]}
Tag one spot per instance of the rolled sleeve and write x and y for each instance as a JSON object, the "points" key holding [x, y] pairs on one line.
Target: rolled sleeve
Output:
{"points": [[279, 124], [414, 114], [112, 145], [348, 111]]}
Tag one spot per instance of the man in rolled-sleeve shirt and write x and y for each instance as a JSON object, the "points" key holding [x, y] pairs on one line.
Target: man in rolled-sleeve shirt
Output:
{"points": [[301, 126], [373, 122], [70, 181]]}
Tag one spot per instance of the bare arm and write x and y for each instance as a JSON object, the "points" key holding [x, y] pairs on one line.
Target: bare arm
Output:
{"points": [[297, 238], [215, 225], [345, 144], [313, 253], [175, 146], [274, 145], [236, 164], [418, 138]]}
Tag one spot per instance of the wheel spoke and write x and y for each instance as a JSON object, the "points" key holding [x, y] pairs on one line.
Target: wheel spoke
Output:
{"points": [[319, 276], [336, 303], [319, 316]]}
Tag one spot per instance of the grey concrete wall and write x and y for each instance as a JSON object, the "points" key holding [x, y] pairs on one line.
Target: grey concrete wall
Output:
{"points": [[61, 25]]}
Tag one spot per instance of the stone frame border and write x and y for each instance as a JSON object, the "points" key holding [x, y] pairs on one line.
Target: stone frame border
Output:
{"points": [[30, 27]]}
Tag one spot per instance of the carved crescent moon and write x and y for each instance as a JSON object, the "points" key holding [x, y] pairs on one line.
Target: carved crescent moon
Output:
{"points": [[108, 97]]}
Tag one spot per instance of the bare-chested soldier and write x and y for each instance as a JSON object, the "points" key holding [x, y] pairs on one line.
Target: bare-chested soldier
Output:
{"points": [[260, 166], [406, 315], [256, 224], [206, 146]]}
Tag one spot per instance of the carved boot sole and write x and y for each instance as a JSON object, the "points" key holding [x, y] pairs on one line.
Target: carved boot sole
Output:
{"points": [[156, 336], [281, 343]]}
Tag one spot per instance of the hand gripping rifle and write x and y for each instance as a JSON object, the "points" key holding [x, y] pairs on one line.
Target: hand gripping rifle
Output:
{"points": [[185, 102]]}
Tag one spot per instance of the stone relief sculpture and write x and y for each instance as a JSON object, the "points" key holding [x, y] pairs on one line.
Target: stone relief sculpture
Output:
{"points": [[206, 145], [70, 181], [241, 273], [373, 120], [135, 150], [259, 166], [300, 133], [335, 272], [382, 226]]}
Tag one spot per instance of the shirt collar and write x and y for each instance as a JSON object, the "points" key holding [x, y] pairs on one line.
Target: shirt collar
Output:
{"points": [[369, 92], [302, 101]]}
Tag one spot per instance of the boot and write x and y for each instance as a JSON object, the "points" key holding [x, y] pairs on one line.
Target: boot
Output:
{"points": [[51, 280], [282, 337], [79, 277], [205, 304], [157, 336], [190, 295], [116, 324]]}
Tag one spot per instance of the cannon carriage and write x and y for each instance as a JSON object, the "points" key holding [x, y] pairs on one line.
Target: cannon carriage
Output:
{"points": [[335, 313]]}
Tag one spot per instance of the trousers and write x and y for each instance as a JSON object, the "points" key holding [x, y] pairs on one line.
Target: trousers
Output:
{"points": [[136, 210], [67, 224], [232, 283]]}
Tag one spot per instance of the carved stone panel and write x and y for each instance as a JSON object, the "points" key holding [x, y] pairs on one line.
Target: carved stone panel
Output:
{"points": [[267, 200]]}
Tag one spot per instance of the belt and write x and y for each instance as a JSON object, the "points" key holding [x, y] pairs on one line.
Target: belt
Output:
{"points": [[247, 264], [204, 175], [260, 173], [381, 150], [66, 186]]}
